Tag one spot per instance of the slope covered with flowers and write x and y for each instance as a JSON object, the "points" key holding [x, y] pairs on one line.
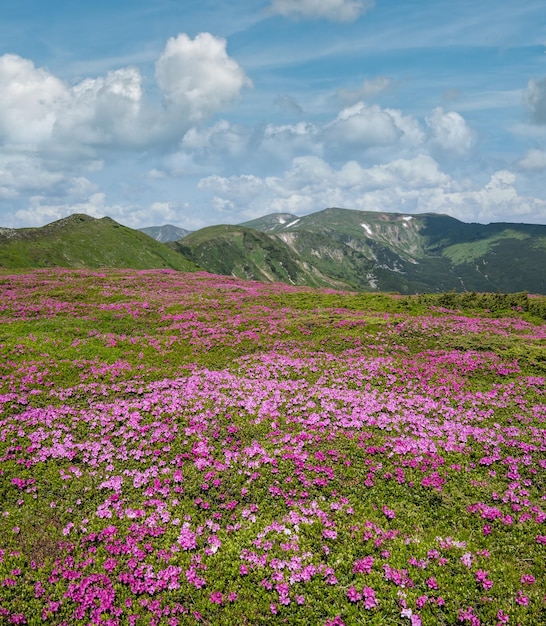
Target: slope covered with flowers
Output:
{"points": [[190, 449]]}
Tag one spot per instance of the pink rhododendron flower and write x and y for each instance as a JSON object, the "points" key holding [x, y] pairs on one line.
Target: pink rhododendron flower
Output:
{"points": [[187, 538], [389, 513], [521, 598], [363, 566]]}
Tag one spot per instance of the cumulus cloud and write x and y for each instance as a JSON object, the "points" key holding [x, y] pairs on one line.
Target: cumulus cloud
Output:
{"points": [[311, 183], [535, 99], [23, 174], [365, 132], [284, 141], [497, 200], [362, 131], [413, 185], [534, 160], [105, 111], [221, 139], [335, 10], [197, 77], [223, 144], [52, 131], [450, 132], [30, 101], [370, 125]]}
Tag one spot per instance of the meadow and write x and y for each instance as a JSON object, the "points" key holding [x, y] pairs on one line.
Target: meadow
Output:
{"points": [[193, 449]]}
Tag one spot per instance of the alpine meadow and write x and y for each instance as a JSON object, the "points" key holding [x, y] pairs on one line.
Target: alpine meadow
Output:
{"points": [[185, 448]]}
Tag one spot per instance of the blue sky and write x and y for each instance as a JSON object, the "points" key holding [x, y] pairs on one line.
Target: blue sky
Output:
{"points": [[199, 113]]}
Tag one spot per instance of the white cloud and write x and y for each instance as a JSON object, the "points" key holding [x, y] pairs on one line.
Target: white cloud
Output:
{"points": [[220, 140], [239, 188], [414, 185], [39, 110], [450, 132], [370, 125], [335, 10], [311, 183], [534, 160], [106, 111], [197, 77], [307, 174], [364, 132], [535, 99], [155, 174], [40, 212], [285, 141], [23, 176], [30, 101], [21, 173], [223, 144], [155, 214], [52, 132], [420, 172], [498, 200]]}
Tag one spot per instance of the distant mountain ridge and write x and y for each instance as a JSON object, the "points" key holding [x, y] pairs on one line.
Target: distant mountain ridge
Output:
{"points": [[336, 248], [165, 233], [367, 250], [272, 223]]}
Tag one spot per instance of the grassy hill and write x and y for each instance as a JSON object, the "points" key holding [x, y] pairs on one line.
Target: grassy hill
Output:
{"points": [[83, 241]]}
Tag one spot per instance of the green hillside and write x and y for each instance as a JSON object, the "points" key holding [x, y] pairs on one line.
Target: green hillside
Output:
{"points": [[374, 251], [250, 254], [83, 241]]}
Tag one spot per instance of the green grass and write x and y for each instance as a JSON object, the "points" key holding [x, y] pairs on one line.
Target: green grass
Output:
{"points": [[469, 252]]}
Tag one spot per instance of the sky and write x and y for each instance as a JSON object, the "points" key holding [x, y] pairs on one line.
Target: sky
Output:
{"points": [[221, 111]]}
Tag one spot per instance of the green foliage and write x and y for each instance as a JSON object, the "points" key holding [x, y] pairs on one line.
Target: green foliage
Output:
{"points": [[495, 303]]}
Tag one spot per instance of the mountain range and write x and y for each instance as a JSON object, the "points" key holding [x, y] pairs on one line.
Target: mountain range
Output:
{"points": [[374, 251], [336, 248]]}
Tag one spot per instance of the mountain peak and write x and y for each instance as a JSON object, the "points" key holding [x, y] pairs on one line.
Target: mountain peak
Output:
{"points": [[165, 233], [271, 223], [80, 240]]}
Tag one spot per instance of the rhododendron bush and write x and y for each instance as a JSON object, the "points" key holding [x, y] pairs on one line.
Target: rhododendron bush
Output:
{"points": [[193, 449]]}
